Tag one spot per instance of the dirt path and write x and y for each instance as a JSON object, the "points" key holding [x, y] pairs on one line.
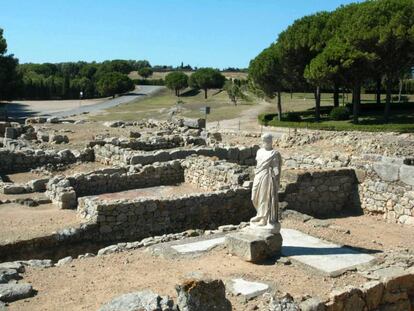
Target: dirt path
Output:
{"points": [[247, 121]]}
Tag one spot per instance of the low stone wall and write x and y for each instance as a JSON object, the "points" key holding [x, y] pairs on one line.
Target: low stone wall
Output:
{"points": [[27, 159], [150, 143], [136, 219], [206, 173], [213, 175], [115, 155], [386, 184], [387, 187], [35, 185], [391, 293], [64, 191], [320, 193]]}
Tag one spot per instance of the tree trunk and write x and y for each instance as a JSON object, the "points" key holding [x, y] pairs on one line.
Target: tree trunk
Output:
{"points": [[205, 93], [318, 104], [400, 86], [336, 95], [378, 92], [356, 100], [387, 109], [279, 106]]}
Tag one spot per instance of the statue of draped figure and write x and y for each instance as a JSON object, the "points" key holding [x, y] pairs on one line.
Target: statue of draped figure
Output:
{"points": [[266, 186]]}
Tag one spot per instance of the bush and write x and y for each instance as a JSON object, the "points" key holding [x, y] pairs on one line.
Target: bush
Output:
{"points": [[149, 81], [292, 117], [265, 118], [339, 113]]}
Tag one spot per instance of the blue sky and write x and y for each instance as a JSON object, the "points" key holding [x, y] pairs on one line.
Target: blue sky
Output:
{"points": [[216, 33]]}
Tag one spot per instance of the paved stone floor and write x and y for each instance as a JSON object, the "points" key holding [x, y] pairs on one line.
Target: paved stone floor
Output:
{"points": [[328, 258]]}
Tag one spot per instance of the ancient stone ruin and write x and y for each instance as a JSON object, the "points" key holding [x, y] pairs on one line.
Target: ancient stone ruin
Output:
{"points": [[177, 191]]}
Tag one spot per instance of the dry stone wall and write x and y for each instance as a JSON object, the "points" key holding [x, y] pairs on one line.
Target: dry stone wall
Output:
{"points": [[150, 143], [387, 186], [64, 191], [213, 175], [136, 219], [320, 193], [395, 292], [24, 160], [115, 155], [206, 173]]}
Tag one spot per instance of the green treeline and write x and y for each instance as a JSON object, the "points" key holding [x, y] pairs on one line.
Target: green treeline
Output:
{"points": [[362, 45], [67, 80]]}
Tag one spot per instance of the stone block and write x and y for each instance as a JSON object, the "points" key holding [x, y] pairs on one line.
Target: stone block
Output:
{"points": [[387, 172], [254, 247], [144, 300], [407, 174], [246, 289], [202, 295], [195, 123], [373, 292], [12, 292]]}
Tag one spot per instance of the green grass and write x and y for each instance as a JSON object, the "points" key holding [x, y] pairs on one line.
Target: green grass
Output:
{"points": [[191, 101], [372, 121], [401, 122]]}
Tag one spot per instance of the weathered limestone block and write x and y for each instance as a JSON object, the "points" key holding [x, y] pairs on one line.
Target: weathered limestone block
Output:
{"points": [[373, 292], [12, 292], [144, 300], [387, 172], [202, 295], [9, 188], [38, 185], [194, 123], [407, 174], [254, 247]]}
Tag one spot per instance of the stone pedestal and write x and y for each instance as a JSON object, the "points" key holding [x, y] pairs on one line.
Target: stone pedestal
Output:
{"points": [[254, 245]]}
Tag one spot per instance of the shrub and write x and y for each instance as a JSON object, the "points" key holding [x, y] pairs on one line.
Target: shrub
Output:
{"points": [[265, 118], [339, 113], [292, 117]]}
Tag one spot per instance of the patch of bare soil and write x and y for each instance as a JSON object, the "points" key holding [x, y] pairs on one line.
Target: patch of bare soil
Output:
{"points": [[153, 192], [83, 167], [21, 178], [88, 283], [21, 223]]}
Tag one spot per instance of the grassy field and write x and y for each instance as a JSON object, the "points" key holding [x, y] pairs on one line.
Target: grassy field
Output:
{"points": [[161, 75], [400, 121], [189, 104], [159, 106]]}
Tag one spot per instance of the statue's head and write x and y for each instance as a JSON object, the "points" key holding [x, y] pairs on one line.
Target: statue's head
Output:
{"points": [[267, 140]]}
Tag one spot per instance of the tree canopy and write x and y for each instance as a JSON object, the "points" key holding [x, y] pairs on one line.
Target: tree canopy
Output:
{"points": [[9, 77], [145, 72], [207, 78], [177, 81], [266, 73], [356, 43], [114, 83]]}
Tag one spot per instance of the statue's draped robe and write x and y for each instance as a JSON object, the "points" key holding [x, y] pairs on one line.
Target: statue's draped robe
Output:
{"points": [[265, 187]]}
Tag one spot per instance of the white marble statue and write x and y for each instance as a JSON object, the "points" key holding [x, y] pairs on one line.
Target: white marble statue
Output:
{"points": [[266, 186]]}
